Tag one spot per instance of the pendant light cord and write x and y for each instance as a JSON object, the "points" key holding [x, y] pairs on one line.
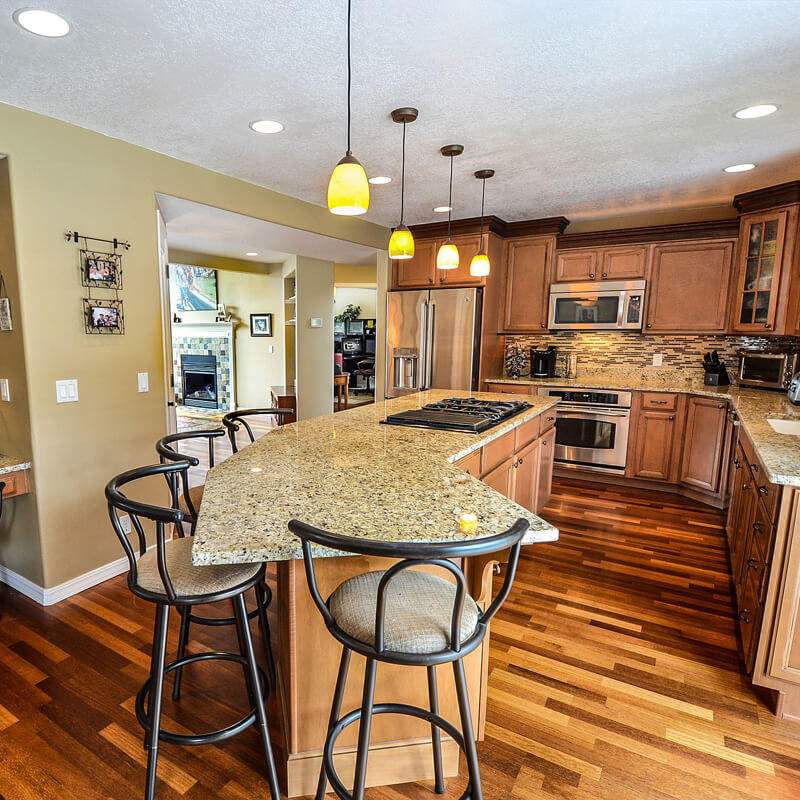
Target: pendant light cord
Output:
{"points": [[450, 199], [349, 2], [403, 175], [483, 197]]}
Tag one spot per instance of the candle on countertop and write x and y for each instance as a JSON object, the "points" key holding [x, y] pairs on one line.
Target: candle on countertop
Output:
{"points": [[468, 522]]}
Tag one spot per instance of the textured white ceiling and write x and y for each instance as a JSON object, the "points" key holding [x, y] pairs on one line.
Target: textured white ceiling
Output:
{"points": [[588, 108], [214, 231]]}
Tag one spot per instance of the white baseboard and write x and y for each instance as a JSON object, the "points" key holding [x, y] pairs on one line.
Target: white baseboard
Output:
{"points": [[48, 597]]}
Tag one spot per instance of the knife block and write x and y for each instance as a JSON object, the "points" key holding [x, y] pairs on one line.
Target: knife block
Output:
{"points": [[718, 378]]}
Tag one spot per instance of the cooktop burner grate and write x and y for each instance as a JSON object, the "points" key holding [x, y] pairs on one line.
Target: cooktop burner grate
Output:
{"points": [[459, 414]]}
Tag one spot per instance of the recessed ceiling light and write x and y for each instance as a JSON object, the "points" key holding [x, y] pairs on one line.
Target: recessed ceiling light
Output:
{"points": [[442, 209], [42, 23], [379, 179], [251, 254], [740, 168], [266, 126], [754, 112]]}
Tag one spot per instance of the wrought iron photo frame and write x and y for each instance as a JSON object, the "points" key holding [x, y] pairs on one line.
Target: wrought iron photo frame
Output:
{"points": [[112, 322], [99, 263]]}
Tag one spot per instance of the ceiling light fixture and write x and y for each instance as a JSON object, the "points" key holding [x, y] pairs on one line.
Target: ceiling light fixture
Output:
{"points": [[266, 126], [443, 209], [401, 245], [348, 189], [379, 180], [251, 254], [754, 112], [479, 267], [447, 257], [42, 23], [740, 168]]}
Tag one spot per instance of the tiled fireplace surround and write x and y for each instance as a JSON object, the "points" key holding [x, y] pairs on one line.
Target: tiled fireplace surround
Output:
{"points": [[200, 341], [618, 350]]}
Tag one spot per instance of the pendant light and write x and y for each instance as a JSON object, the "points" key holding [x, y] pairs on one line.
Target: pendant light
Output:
{"points": [[479, 267], [348, 189], [401, 245], [447, 257]]}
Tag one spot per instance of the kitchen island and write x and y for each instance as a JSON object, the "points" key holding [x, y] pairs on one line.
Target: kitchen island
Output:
{"points": [[14, 475], [351, 474]]}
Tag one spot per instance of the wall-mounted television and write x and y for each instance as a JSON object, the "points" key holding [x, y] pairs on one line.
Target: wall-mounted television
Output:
{"points": [[192, 288]]}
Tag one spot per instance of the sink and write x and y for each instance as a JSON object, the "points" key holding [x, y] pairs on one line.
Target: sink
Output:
{"points": [[790, 426]]}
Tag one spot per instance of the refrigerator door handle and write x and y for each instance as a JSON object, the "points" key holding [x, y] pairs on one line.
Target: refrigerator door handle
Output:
{"points": [[423, 360], [430, 344]]}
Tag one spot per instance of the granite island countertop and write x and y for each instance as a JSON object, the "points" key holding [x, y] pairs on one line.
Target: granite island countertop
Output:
{"points": [[12, 464], [779, 452], [350, 474]]}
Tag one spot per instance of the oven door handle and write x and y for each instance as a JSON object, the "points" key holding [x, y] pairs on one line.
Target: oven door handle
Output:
{"points": [[584, 412]]}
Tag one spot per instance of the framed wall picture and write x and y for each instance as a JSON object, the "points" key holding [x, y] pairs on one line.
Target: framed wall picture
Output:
{"points": [[103, 316], [101, 270], [192, 288], [261, 324]]}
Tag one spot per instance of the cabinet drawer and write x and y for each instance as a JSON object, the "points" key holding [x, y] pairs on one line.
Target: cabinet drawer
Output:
{"points": [[548, 419], [497, 451], [659, 401], [527, 432], [510, 388], [471, 464], [15, 483], [767, 492]]}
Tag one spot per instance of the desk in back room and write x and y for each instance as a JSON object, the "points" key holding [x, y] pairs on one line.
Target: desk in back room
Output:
{"points": [[285, 397]]}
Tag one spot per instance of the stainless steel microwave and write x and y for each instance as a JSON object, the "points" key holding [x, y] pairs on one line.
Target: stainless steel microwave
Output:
{"points": [[767, 370], [600, 305]]}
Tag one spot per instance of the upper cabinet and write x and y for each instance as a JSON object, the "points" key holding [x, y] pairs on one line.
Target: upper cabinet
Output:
{"points": [[528, 265], [420, 272], [688, 286], [764, 272], [600, 264]]}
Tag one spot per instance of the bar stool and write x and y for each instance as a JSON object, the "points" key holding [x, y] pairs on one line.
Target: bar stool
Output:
{"points": [[166, 576], [188, 500], [235, 420], [403, 616]]}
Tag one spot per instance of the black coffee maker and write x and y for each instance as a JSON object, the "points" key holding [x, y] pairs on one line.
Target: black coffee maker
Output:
{"points": [[543, 362]]}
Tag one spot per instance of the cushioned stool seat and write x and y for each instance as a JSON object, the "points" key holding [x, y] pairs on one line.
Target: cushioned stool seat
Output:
{"points": [[186, 578], [196, 496], [419, 610]]}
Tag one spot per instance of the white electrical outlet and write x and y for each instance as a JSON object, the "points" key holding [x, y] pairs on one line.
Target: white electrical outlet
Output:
{"points": [[4, 393], [67, 391], [271, 348], [125, 523], [144, 382], [658, 359]]}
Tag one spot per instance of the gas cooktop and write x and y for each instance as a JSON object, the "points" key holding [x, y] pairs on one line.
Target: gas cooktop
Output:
{"points": [[465, 414]]}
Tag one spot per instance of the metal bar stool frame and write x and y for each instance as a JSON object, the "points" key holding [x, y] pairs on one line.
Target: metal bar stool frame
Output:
{"points": [[409, 554], [235, 420], [149, 698], [166, 447]]}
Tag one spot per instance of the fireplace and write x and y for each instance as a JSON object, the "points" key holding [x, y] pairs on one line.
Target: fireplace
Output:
{"points": [[200, 381]]}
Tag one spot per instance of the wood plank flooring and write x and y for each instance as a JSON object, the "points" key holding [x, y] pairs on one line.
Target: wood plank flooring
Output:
{"points": [[614, 672]]}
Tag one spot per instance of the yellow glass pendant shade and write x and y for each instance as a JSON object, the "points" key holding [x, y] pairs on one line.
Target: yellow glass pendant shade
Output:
{"points": [[479, 266], [348, 190], [401, 245], [447, 257]]}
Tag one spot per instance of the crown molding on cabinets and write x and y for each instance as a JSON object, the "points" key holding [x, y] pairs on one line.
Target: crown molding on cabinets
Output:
{"points": [[783, 194]]}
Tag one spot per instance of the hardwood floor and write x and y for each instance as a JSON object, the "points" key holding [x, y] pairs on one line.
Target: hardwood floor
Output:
{"points": [[614, 673]]}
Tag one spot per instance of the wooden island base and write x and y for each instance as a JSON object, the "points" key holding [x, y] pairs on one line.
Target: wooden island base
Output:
{"points": [[308, 660]]}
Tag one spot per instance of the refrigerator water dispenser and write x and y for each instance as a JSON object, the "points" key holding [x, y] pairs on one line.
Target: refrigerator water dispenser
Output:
{"points": [[406, 367]]}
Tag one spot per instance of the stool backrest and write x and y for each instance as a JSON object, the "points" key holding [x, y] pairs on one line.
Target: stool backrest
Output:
{"points": [[167, 449], [414, 554], [235, 420], [139, 513]]}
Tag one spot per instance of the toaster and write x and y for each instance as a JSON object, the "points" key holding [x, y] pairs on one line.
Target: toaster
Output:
{"points": [[794, 389]]}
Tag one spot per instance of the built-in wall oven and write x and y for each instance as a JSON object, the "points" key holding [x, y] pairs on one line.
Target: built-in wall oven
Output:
{"points": [[592, 428]]}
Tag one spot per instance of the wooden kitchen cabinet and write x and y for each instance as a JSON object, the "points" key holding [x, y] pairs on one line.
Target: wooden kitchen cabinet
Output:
{"points": [[528, 267], [575, 266], [688, 287], [600, 264], [501, 478], [526, 478], [471, 464], [704, 443], [418, 272], [547, 446], [510, 388], [655, 445], [468, 246]]}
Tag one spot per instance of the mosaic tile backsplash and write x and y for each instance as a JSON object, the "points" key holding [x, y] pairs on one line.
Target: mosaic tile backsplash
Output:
{"points": [[597, 350]]}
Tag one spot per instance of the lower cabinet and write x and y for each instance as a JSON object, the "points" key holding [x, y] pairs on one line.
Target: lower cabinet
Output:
{"points": [[701, 464], [657, 426]]}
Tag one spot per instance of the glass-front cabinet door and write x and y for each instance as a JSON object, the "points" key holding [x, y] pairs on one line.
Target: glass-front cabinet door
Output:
{"points": [[760, 256]]}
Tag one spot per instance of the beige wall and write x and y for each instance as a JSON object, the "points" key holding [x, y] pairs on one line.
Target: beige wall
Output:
{"points": [[366, 299], [314, 345], [354, 275], [19, 533], [246, 288], [65, 178]]}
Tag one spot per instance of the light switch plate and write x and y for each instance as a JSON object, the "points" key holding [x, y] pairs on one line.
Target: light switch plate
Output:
{"points": [[67, 391], [658, 359], [144, 382], [4, 393], [316, 322], [271, 348]]}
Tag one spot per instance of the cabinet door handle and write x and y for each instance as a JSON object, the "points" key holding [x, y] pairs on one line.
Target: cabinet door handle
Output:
{"points": [[672, 417], [763, 490], [591, 274], [520, 461], [543, 325], [605, 274], [659, 402], [550, 419], [544, 443], [721, 405], [515, 464], [744, 616], [430, 280], [766, 324], [752, 563], [754, 467], [649, 324]]}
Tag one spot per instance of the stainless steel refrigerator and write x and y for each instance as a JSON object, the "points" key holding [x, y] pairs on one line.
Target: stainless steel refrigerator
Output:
{"points": [[432, 340]]}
